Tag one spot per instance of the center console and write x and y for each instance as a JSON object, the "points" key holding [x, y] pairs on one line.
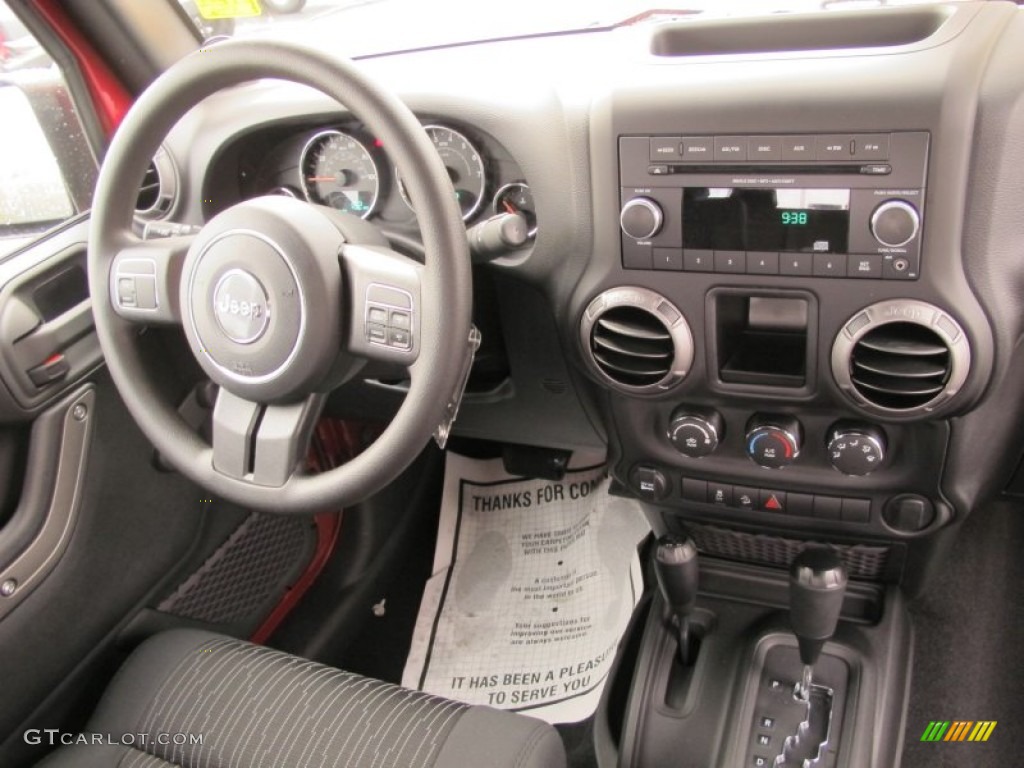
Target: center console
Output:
{"points": [[783, 309], [778, 318]]}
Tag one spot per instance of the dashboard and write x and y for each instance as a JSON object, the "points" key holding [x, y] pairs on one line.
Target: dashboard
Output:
{"points": [[776, 266]]}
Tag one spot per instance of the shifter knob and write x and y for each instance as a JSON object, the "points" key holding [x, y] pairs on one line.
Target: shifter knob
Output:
{"points": [[675, 565], [817, 582]]}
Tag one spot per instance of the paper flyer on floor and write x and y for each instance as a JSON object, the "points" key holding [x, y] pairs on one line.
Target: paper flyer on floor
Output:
{"points": [[533, 584]]}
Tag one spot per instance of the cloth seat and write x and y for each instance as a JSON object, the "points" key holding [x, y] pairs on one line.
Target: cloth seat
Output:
{"points": [[252, 706]]}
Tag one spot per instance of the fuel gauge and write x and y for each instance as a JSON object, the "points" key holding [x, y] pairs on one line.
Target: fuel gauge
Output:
{"points": [[517, 198]]}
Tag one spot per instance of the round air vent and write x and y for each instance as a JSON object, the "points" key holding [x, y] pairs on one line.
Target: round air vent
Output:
{"points": [[901, 357], [636, 340], [159, 190]]}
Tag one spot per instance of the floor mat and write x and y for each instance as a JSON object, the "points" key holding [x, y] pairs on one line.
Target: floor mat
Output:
{"points": [[533, 584], [969, 646]]}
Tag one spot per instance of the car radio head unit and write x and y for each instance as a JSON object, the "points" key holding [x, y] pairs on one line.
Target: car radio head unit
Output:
{"points": [[828, 206]]}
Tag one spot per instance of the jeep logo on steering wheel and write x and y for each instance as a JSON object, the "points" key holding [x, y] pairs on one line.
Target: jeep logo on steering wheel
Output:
{"points": [[240, 306]]}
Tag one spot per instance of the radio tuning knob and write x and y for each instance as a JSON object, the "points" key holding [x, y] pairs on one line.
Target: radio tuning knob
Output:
{"points": [[895, 223], [641, 218]]}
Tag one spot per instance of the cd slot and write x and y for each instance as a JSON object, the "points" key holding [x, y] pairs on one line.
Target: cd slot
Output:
{"points": [[817, 169]]}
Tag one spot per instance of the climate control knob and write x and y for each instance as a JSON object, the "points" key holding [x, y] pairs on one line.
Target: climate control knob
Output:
{"points": [[773, 441], [695, 433], [895, 223], [856, 449], [641, 218]]}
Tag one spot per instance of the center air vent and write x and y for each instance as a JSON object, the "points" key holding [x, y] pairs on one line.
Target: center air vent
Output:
{"points": [[901, 356], [636, 340], [159, 190]]}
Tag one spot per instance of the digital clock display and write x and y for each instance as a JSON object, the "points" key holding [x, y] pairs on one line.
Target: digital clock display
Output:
{"points": [[752, 219]]}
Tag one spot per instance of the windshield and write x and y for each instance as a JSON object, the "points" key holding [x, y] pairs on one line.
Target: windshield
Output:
{"points": [[363, 27]]}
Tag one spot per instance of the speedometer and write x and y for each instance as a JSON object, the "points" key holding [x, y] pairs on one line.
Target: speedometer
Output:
{"points": [[465, 168], [339, 172]]}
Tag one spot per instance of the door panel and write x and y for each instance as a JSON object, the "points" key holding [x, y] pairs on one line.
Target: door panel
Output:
{"points": [[97, 532]]}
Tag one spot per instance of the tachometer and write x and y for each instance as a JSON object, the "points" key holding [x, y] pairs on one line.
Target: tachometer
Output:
{"points": [[465, 168], [340, 172]]}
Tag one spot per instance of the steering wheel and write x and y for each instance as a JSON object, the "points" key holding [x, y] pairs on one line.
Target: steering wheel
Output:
{"points": [[280, 300]]}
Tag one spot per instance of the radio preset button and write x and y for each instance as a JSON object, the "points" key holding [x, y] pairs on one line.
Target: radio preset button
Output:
{"points": [[730, 148], [671, 259], [760, 263], [895, 223], [829, 265], [695, 260], [731, 261], [641, 218], [796, 264]]}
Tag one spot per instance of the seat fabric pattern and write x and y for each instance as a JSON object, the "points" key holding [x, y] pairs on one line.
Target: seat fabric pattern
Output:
{"points": [[255, 707], [258, 702]]}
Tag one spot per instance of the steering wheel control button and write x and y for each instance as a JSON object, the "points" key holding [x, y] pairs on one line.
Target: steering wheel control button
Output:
{"points": [[649, 483], [773, 442], [399, 338], [240, 306], [895, 223], [695, 433], [135, 284], [389, 317]]}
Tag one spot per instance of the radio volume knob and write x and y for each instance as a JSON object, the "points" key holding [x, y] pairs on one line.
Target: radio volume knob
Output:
{"points": [[895, 223], [641, 218]]}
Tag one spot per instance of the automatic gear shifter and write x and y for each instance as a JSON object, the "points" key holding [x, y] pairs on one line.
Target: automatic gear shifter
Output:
{"points": [[817, 582], [675, 565]]}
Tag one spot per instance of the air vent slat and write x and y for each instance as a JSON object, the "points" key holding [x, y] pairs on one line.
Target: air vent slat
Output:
{"points": [[910, 367], [637, 349], [652, 329], [632, 346], [901, 387], [900, 366], [894, 345], [630, 367]]}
